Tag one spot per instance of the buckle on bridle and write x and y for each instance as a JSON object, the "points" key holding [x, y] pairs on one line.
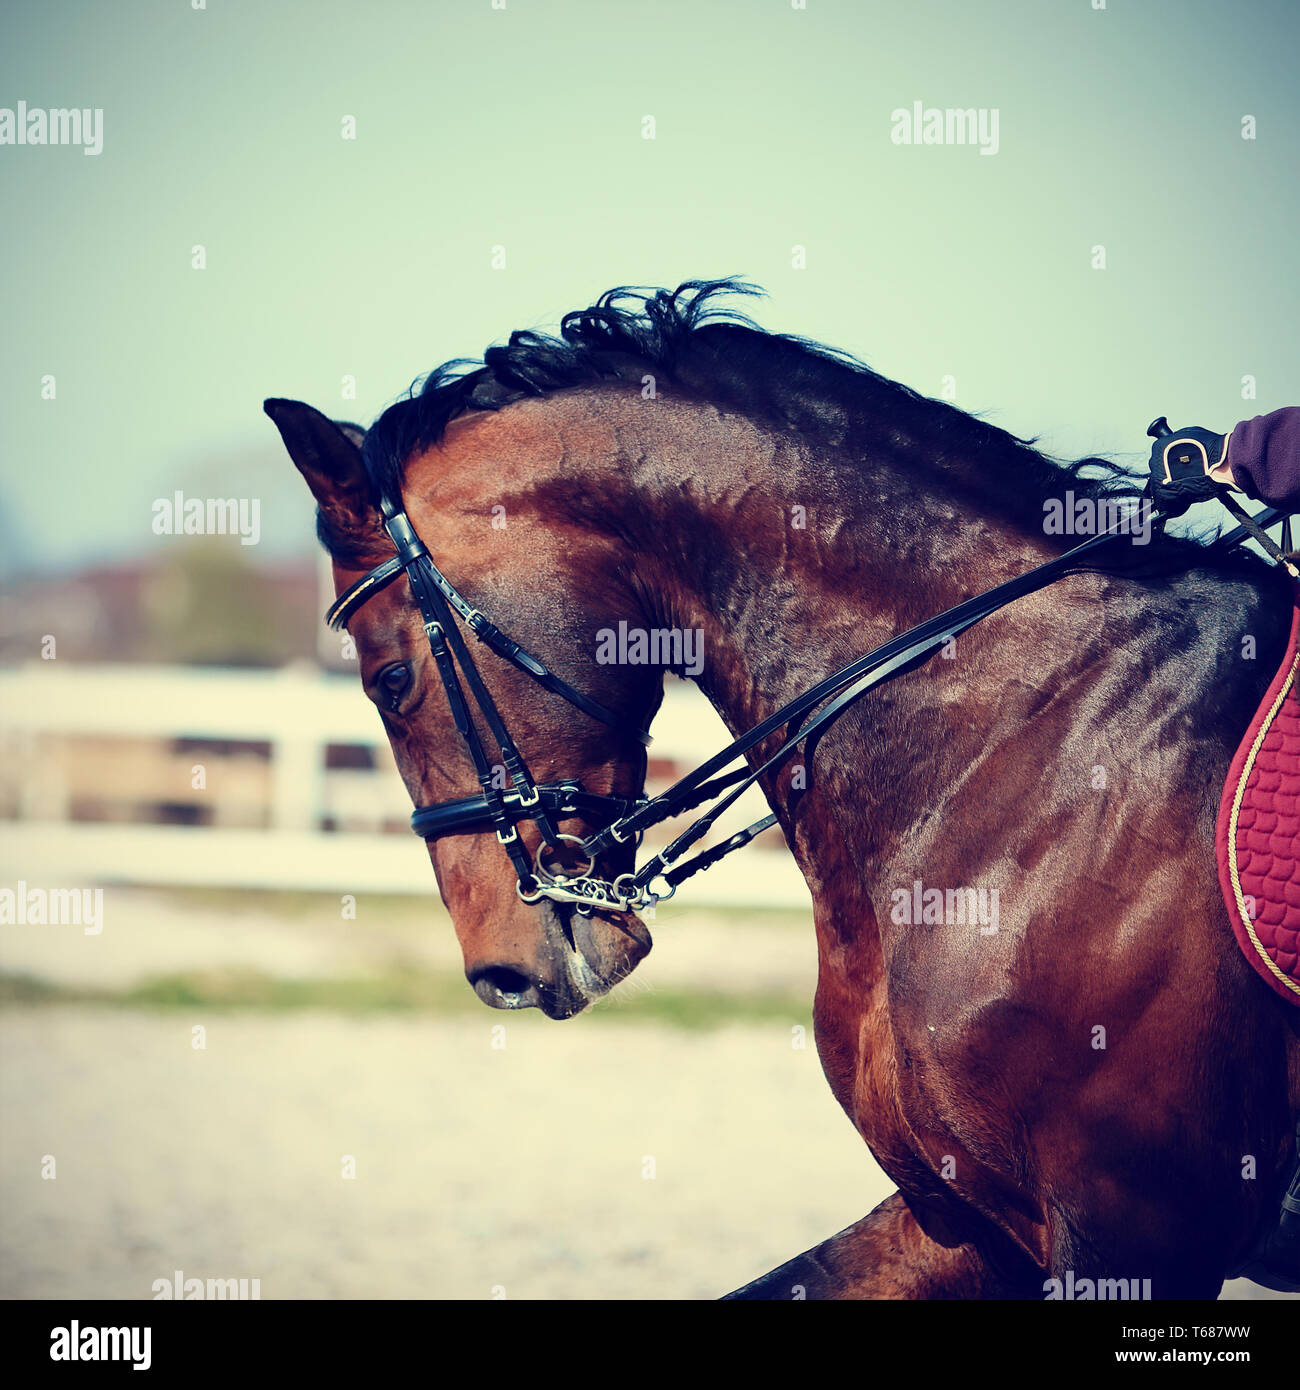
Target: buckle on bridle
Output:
{"points": [[511, 837]]}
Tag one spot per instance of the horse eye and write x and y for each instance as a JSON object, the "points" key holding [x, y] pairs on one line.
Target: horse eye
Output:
{"points": [[394, 681]]}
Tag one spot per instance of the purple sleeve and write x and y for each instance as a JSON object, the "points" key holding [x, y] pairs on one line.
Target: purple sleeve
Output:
{"points": [[1264, 456]]}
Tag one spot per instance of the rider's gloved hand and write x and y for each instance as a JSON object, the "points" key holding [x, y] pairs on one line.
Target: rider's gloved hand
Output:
{"points": [[1181, 467]]}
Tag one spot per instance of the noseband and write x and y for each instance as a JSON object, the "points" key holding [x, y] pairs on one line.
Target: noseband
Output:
{"points": [[626, 820]]}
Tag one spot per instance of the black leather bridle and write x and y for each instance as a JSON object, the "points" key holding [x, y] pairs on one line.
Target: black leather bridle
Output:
{"points": [[625, 820], [494, 808]]}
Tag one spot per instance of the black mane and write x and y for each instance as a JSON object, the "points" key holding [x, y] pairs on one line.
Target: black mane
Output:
{"points": [[683, 337], [629, 332]]}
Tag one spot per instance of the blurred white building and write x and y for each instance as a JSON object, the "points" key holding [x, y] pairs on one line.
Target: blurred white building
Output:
{"points": [[262, 778]]}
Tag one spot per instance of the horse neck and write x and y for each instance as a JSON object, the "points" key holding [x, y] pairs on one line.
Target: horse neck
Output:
{"points": [[790, 559]]}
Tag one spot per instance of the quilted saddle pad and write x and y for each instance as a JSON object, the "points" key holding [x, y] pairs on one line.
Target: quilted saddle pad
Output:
{"points": [[1257, 839]]}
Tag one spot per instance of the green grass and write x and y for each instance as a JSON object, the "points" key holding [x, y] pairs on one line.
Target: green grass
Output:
{"points": [[396, 984], [396, 991]]}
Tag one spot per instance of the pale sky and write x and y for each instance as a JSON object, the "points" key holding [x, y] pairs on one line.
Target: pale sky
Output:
{"points": [[523, 127]]}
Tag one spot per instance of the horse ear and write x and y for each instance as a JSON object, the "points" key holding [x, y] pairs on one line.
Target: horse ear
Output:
{"points": [[328, 455]]}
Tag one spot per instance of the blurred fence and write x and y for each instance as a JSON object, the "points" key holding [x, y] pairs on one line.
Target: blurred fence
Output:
{"points": [[264, 779]]}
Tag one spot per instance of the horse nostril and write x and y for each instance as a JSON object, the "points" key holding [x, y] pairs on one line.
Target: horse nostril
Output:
{"points": [[500, 980]]}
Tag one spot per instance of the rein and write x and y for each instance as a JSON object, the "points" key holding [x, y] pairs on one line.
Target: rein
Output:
{"points": [[498, 809]]}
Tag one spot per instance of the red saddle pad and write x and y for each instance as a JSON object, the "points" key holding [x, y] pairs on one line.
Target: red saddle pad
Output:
{"points": [[1257, 839]]}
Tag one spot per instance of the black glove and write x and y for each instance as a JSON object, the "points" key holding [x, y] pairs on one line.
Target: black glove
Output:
{"points": [[1180, 468]]}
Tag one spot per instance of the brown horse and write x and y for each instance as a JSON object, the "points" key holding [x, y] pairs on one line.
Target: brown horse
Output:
{"points": [[1092, 1083]]}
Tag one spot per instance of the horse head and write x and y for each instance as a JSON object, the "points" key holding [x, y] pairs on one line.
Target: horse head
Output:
{"points": [[485, 503]]}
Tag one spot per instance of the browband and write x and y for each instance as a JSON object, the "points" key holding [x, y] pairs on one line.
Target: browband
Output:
{"points": [[351, 599]]}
